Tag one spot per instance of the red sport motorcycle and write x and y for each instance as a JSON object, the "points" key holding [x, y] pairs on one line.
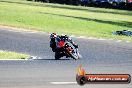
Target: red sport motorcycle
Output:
{"points": [[67, 49]]}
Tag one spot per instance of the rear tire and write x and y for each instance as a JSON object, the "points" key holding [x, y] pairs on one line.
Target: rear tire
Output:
{"points": [[57, 57]]}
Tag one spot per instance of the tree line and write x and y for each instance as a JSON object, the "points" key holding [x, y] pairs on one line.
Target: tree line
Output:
{"points": [[124, 4]]}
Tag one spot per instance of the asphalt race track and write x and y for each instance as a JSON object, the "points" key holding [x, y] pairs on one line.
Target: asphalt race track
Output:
{"points": [[99, 56]]}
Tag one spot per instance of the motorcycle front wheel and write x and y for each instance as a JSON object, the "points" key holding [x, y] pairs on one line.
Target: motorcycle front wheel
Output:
{"points": [[73, 54]]}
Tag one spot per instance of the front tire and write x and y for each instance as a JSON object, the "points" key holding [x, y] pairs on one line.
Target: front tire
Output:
{"points": [[75, 54]]}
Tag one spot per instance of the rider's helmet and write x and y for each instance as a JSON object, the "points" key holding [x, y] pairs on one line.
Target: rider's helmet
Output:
{"points": [[53, 35]]}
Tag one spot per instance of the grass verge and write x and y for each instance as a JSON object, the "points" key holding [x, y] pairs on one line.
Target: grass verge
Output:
{"points": [[77, 20], [4, 55]]}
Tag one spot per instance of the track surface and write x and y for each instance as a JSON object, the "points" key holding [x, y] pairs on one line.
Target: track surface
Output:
{"points": [[99, 56]]}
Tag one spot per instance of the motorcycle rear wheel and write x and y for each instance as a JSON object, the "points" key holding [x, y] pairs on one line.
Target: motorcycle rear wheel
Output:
{"points": [[58, 55]]}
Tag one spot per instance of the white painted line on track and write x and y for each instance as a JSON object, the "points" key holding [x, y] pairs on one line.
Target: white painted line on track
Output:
{"points": [[63, 83], [72, 35], [127, 41], [101, 39], [91, 38], [119, 41], [82, 37]]}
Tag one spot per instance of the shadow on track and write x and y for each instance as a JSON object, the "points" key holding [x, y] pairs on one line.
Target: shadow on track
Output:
{"points": [[52, 59]]}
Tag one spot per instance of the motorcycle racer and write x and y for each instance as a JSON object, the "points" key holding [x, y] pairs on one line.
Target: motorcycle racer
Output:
{"points": [[54, 38]]}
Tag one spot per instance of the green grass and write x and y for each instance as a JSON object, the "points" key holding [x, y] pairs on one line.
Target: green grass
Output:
{"points": [[12, 55], [77, 20]]}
